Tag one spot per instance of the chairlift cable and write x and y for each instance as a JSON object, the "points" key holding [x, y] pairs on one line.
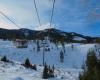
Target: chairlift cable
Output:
{"points": [[37, 12], [52, 13], [10, 19]]}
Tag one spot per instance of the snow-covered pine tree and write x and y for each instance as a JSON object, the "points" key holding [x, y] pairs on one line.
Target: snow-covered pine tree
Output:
{"points": [[38, 46], [48, 72], [34, 67], [61, 56], [72, 46], [45, 72]]}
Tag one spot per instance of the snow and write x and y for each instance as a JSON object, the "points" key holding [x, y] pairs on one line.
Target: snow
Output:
{"points": [[78, 38], [73, 57], [69, 70], [44, 26], [9, 71]]}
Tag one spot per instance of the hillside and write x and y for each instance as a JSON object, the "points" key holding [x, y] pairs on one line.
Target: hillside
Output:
{"points": [[51, 42], [72, 56], [68, 70], [52, 33], [15, 71]]}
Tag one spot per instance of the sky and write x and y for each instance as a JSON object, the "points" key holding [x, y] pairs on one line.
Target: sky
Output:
{"points": [[81, 16]]}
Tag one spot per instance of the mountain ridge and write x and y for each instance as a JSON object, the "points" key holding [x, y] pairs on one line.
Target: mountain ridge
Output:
{"points": [[52, 33]]}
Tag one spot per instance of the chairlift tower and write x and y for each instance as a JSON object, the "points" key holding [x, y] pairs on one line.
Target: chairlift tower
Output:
{"points": [[44, 46]]}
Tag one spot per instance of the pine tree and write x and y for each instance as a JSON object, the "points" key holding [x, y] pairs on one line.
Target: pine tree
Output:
{"points": [[4, 59], [51, 73], [38, 46], [61, 56], [34, 67], [45, 72], [27, 63], [48, 72], [53, 68], [91, 60], [72, 46], [91, 70]]}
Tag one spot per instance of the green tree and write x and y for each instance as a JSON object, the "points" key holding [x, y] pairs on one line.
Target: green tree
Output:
{"points": [[27, 63], [4, 59], [91, 69]]}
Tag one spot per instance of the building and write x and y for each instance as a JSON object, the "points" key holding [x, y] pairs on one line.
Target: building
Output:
{"points": [[21, 43]]}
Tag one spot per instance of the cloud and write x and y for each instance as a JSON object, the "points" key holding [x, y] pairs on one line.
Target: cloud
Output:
{"points": [[4, 9], [4, 23], [44, 26], [72, 15], [23, 12], [7, 25]]}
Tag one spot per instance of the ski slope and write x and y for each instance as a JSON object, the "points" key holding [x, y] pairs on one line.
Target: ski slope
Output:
{"points": [[68, 70], [14, 71], [72, 57]]}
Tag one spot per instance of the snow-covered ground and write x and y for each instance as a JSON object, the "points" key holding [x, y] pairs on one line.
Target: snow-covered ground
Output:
{"points": [[68, 70], [14, 71]]}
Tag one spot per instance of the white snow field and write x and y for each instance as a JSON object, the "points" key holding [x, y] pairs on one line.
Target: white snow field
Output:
{"points": [[14, 71], [68, 70]]}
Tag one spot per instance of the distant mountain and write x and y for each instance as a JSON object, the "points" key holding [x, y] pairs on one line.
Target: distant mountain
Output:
{"points": [[52, 33]]}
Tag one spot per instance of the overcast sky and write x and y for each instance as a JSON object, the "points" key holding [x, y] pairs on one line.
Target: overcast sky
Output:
{"points": [[81, 16]]}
